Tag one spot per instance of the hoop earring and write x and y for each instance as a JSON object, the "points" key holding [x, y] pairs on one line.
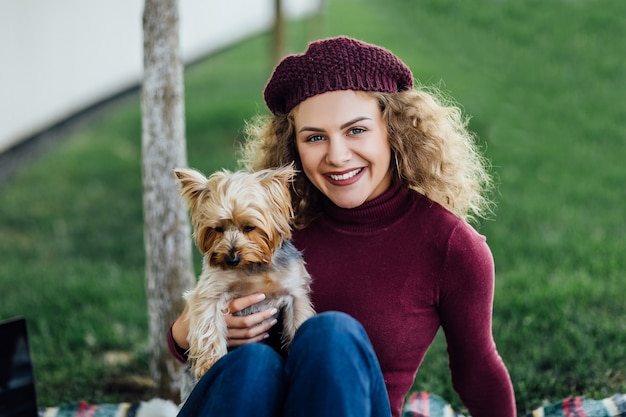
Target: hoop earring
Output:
{"points": [[395, 158]]}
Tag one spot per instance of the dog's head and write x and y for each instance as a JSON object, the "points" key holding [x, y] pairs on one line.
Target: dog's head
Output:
{"points": [[239, 218]]}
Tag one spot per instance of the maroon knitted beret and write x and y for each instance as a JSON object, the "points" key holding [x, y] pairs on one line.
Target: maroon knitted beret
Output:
{"points": [[332, 64]]}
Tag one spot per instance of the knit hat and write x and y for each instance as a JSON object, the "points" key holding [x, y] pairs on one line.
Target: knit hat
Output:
{"points": [[332, 64]]}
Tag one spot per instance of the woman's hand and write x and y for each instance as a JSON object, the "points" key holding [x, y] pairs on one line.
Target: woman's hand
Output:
{"points": [[248, 329], [241, 329]]}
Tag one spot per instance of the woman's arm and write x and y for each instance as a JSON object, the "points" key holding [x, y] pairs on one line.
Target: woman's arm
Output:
{"points": [[466, 302]]}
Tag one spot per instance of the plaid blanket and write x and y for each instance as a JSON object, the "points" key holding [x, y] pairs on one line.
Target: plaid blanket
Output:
{"points": [[423, 404], [153, 408], [614, 406], [418, 404]]}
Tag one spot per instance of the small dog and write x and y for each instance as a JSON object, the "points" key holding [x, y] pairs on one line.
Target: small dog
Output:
{"points": [[241, 225]]}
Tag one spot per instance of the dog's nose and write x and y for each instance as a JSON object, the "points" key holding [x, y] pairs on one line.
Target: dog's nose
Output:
{"points": [[232, 259]]}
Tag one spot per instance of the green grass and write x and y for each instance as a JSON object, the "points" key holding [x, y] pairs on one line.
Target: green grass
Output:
{"points": [[544, 84]]}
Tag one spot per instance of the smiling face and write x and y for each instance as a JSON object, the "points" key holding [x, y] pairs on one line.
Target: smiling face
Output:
{"points": [[343, 145]]}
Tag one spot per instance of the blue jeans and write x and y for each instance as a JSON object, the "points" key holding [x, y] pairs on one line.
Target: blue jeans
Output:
{"points": [[331, 370]]}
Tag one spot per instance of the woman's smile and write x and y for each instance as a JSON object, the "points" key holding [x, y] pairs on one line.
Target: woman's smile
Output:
{"points": [[345, 178]]}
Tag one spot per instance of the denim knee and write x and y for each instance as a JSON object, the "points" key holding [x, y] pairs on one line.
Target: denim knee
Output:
{"points": [[332, 370], [246, 363], [248, 379], [331, 329], [254, 356]]}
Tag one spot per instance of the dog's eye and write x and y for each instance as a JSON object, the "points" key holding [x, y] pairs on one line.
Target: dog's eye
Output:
{"points": [[248, 229], [219, 229]]}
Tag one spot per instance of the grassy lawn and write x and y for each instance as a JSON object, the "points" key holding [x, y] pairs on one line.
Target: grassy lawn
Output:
{"points": [[544, 84]]}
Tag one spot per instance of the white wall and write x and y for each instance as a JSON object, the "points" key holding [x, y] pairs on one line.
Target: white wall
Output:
{"points": [[57, 57]]}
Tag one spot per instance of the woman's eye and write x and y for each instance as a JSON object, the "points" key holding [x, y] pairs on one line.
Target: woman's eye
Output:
{"points": [[248, 229], [356, 130], [315, 138]]}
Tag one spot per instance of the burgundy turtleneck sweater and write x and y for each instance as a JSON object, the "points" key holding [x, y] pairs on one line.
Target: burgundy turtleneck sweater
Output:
{"points": [[402, 266]]}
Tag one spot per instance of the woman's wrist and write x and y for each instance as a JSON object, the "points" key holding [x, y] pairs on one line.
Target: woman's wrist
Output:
{"points": [[180, 331], [179, 334], [178, 352]]}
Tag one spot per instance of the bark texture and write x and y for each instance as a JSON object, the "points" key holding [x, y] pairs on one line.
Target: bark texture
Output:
{"points": [[278, 42], [167, 232]]}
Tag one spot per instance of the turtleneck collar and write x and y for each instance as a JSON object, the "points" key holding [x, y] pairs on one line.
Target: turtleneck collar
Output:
{"points": [[373, 215]]}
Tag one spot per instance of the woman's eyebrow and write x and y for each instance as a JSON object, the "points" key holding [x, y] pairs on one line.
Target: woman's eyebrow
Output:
{"points": [[353, 121], [310, 129], [343, 126]]}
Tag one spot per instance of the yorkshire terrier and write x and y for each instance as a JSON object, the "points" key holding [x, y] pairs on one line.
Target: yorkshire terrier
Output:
{"points": [[241, 225]]}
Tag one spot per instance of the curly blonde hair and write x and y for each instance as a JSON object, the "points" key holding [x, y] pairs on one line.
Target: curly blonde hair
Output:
{"points": [[433, 152]]}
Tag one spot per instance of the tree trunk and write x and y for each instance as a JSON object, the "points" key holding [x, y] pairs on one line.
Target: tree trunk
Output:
{"points": [[167, 233], [278, 41]]}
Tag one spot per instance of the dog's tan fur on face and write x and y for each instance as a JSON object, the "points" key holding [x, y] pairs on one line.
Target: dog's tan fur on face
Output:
{"points": [[241, 225]]}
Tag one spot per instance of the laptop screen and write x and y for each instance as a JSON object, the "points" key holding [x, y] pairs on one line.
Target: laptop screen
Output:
{"points": [[17, 384]]}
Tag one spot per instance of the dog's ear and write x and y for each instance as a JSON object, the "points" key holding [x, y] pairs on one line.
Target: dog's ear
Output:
{"points": [[284, 175], [277, 182], [192, 184]]}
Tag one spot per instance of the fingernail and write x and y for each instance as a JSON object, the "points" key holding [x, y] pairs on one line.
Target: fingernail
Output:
{"points": [[273, 322], [260, 297], [266, 335], [273, 311]]}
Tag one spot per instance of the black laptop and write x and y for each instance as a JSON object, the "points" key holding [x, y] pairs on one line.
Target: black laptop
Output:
{"points": [[17, 383]]}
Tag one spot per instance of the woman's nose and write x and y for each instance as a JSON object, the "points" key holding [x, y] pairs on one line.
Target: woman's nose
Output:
{"points": [[338, 152]]}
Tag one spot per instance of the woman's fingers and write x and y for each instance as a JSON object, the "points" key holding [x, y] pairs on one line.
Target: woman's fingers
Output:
{"points": [[239, 304], [251, 328], [241, 336]]}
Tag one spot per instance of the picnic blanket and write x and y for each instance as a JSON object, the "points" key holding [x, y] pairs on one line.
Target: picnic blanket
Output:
{"points": [[579, 406], [423, 404], [153, 408], [418, 404]]}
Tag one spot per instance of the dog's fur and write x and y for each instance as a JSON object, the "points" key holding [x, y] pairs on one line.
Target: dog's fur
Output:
{"points": [[241, 225]]}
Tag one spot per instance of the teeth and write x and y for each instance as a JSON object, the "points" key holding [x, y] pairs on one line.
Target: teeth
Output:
{"points": [[346, 176]]}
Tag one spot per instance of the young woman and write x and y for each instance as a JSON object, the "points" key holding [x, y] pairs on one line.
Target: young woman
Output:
{"points": [[388, 178]]}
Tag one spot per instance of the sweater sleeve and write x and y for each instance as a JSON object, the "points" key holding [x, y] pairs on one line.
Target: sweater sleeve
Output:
{"points": [[465, 306], [178, 352]]}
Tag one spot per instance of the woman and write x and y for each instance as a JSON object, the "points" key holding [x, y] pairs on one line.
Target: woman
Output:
{"points": [[389, 176]]}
